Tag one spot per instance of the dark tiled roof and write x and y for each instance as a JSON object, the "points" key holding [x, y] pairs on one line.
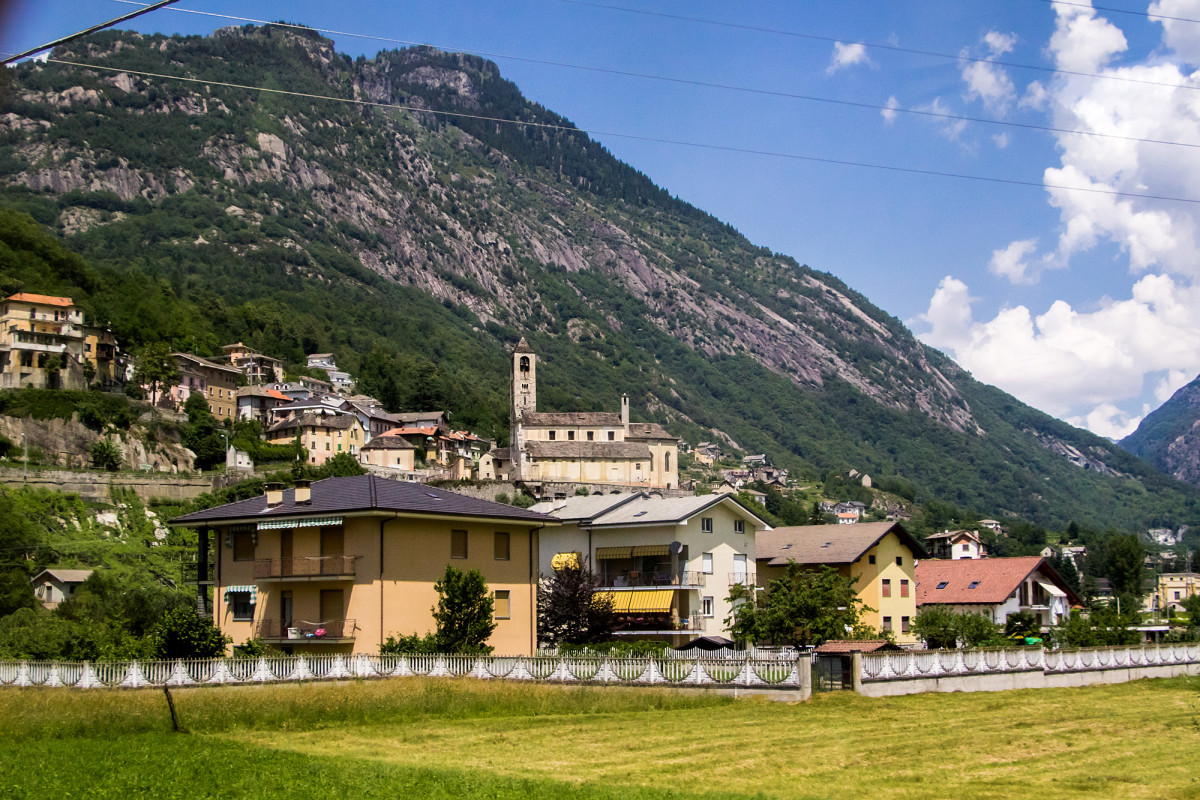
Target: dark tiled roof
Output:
{"points": [[522, 347], [626, 450], [502, 454], [388, 442], [335, 421], [647, 430], [827, 544], [364, 493], [607, 418]]}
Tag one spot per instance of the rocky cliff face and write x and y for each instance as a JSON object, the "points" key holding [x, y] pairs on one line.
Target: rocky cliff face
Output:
{"points": [[1169, 437]]}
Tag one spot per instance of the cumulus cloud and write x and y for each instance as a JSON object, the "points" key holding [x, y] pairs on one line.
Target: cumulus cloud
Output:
{"points": [[889, 113], [1107, 420], [952, 129], [1182, 37], [989, 83], [1013, 261], [847, 55]]}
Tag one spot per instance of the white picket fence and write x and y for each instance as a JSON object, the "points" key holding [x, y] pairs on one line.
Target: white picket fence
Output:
{"points": [[932, 663], [188, 672]]}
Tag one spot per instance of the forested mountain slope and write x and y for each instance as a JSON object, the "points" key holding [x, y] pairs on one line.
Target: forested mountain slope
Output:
{"points": [[419, 246], [1169, 437]]}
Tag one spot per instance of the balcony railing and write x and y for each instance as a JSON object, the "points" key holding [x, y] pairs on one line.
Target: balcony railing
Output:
{"points": [[690, 624], [302, 631], [652, 578], [305, 568], [744, 578]]}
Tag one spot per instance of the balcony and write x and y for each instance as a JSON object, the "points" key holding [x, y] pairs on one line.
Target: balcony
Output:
{"points": [[306, 568], [651, 627], [327, 631], [656, 579], [744, 578]]}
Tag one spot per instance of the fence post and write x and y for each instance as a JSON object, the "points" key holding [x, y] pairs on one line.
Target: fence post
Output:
{"points": [[856, 671], [804, 670]]}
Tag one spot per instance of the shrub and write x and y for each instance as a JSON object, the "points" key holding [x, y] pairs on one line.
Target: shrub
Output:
{"points": [[106, 455], [398, 645], [183, 634]]}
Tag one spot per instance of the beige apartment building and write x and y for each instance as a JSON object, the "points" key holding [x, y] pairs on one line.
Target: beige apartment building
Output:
{"points": [[217, 383], [45, 343], [340, 565]]}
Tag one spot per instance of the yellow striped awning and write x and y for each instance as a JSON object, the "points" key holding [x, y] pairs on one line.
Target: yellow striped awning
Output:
{"points": [[565, 561], [654, 601], [651, 550], [613, 552]]}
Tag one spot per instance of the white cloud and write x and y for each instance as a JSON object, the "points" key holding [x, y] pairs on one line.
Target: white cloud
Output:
{"points": [[951, 128], [889, 113], [1035, 97], [1107, 420], [987, 82], [1001, 140], [1182, 37], [847, 55], [1083, 42], [1071, 363], [1169, 384], [1012, 261]]}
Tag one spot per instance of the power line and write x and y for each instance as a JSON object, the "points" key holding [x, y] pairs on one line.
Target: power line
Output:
{"points": [[704, 84], [632, 137], [148, 7], [1128, 11], [875, 45]]}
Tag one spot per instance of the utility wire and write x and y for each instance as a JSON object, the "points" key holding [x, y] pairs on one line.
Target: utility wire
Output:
{"points": [[146, 10], [1128, 11], [877, 45], [632, 137], [922, 112]]}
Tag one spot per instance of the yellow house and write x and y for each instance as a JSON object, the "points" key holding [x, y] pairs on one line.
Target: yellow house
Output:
{"points": [[1175, 587], [340, 565], [880, 556], [217, 383], [389, 450], [324, 435]]}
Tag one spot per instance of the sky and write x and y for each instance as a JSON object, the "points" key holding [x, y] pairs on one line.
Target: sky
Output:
{"points": [[932, 155]]}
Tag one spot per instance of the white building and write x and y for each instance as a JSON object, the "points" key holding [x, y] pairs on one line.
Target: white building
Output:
{"points": [[52, 586], [668, 562]]}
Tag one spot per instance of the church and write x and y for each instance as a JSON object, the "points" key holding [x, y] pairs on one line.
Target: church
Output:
{"points": [[594, 447]]}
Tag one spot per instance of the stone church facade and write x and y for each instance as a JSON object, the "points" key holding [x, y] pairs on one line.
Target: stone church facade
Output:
{"points": [[594, 447]]}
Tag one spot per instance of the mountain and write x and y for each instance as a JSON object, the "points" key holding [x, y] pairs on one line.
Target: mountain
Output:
{"points": [[1169, 437], [418, 233]]}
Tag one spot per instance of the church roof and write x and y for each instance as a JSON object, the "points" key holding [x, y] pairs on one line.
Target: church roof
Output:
{"points": [[605, 450], [608, 418], [523, 347], [639, 431]]}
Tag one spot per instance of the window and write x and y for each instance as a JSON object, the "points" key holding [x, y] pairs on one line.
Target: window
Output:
{"points": [[899, 561], [904, 624], [552, 435], [706, 525], [666, 462], [591, 435], [870, 559], [942, 584], [501, 608], [739, 526], [886, 590], [241, 605], [243, 546], [502, 550], [570, 436], [458, 544], [966, 547], [706, 607], [904, 588], [974, 585], [612, 435], [706, 564], [887, 623], [1176, 595]]}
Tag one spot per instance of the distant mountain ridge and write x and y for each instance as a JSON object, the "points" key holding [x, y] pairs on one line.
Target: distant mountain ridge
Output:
{"points": [[1169, 437], [419, 247]]}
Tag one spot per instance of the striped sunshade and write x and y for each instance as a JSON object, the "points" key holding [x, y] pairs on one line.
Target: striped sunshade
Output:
{"points": [[310, 522]]}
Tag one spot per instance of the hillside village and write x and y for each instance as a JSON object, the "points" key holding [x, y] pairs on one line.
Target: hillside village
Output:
{"points": [[675, 533]]}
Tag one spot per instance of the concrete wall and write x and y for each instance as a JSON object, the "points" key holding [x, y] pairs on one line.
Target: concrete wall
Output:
{"points": [[1030, 679], [98, 486]]}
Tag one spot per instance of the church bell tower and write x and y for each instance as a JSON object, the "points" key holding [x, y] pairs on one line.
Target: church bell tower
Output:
{"points": [[523, 400]]}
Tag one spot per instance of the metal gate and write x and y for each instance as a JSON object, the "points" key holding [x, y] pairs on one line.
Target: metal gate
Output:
{"points": [[832, 673]]}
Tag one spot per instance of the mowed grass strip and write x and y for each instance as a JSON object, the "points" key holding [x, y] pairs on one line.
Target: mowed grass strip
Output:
{"points": [[464, 738]]}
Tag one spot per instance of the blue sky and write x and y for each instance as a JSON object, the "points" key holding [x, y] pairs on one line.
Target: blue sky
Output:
{"points": [[1082, 304]]}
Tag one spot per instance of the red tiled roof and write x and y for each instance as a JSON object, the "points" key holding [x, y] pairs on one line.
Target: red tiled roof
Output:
{"points": [[44, 299], [402, 431], [855, 646], [279, 395], [997, 579]]}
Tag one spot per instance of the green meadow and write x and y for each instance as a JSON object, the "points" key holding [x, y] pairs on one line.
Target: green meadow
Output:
{"points": [[460, 738]]}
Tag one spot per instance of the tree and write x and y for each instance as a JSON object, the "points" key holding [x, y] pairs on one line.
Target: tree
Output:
{"points": [[1192, 606], [15, 592], [183, 634], [802, 607], [1021, 624], [1124, 564], [54, 364], [937, 625], [155, 368], [343, 465], [464, 612], [570, 610], [202, 434], [975, 629]]}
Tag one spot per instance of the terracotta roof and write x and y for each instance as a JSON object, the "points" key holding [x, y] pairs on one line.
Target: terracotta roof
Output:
{"points": [[995, 579], [856, 646], [42, 299], [647, 430], [606, 418], [622, 450], [411, 431], [262, 391], [365, 493], [827, 544]]}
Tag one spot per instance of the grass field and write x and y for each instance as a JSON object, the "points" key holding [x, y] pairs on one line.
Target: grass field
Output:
{"points": [[443, 738]]}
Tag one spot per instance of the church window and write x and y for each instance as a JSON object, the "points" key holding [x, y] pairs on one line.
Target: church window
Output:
{"points": [[666, 462], [612, 435], [591, 435], [552, 435], [570, 436], [524, 363]]}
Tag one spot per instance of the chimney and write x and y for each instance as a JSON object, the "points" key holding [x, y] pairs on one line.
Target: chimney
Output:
{"points": [[625, 412], [274, 494], [303, 492]]}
